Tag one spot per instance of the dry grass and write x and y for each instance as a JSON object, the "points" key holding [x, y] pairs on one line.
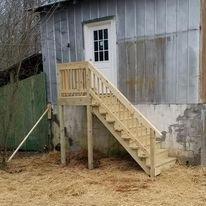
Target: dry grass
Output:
{"points": [[40, 180]]}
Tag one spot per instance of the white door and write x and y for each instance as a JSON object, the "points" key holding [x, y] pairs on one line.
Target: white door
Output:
{"points": [[100, 47]]}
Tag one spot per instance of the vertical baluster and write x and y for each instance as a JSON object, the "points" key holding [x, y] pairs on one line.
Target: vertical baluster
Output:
{"points": [[140, 130], [67, 79], [70, 81], [61, 80], [77, 80], [83, 75], [72, 76], [106, 92], [148, 136], [82, 78], [98, 91], [94, 82], [80, 81], [119, 109], [64, 82], [102, 88], [129, 122], [137, 130], [124, 114]]}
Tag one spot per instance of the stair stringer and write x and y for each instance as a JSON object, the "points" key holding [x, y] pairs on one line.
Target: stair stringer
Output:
{"points": [[121, 141], [119, 122]]}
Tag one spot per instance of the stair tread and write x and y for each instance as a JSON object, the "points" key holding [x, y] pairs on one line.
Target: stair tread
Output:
{"points": [[126, 137], [147, 146], [164, 161], [158, 151]]}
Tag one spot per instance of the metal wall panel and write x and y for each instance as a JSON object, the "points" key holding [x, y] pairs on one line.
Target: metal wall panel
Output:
{"points": [[157, 42]]}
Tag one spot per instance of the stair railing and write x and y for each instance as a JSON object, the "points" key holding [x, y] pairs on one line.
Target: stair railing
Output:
{"points": [[100, 84], [80, 79]]}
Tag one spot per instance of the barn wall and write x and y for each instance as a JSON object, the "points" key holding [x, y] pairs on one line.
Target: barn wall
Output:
{"points": [[157, 42], [158, 65], [182, 129]]}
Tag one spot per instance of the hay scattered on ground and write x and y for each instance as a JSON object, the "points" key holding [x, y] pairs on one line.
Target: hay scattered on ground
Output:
{"points": [[41, 180]]}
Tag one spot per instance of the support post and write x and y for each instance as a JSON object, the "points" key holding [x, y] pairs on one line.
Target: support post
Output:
{"points": [[90, 138], [203, 141], [152, 153], [62, 135]]}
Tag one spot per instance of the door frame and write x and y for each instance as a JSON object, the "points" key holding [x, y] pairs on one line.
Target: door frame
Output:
{"points": [[101, 22]]}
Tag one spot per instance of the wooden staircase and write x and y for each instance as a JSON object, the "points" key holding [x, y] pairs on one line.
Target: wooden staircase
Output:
{"points": [[81, 83]]}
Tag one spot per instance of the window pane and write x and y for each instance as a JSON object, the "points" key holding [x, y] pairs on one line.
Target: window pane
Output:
{"points": [[96, 56], [106, 55], [105, 33], [105, 44], [101, 56], [100, 35], [96, 46], [95, 35], [100, 45]]}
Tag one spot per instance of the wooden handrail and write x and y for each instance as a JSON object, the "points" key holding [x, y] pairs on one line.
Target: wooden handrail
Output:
{"points": [[123, 99]]}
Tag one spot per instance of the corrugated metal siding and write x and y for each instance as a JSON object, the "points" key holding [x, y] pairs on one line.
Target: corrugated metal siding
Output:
{"points": [[158, 46]]}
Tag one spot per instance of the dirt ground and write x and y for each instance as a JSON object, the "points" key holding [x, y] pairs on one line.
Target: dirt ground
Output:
{"points": [[40, 180]]}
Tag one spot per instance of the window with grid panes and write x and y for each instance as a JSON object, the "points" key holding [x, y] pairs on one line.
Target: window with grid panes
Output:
{"points": [[101, 45]]}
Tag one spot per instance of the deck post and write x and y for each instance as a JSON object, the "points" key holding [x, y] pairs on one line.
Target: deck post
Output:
{"points": [[90, 138], [152, 153], [203, 141], [62, 135]]}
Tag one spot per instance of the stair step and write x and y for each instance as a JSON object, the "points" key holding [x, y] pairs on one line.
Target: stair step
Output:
{"points": [[166, 163], [140, 153], [161, 154], [118, 127], [134, 147], [126, 137], [95, 103], [102, 110], [109, 118], [163, 164]]}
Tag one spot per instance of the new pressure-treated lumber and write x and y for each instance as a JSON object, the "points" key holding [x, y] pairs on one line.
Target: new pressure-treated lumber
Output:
{"points": [[90, 138], [127, 124], [62, 135]]}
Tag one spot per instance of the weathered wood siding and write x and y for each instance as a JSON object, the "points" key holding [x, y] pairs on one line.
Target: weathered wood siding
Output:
{"points": [[203, 54], [29, 102], [157, 42]]}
